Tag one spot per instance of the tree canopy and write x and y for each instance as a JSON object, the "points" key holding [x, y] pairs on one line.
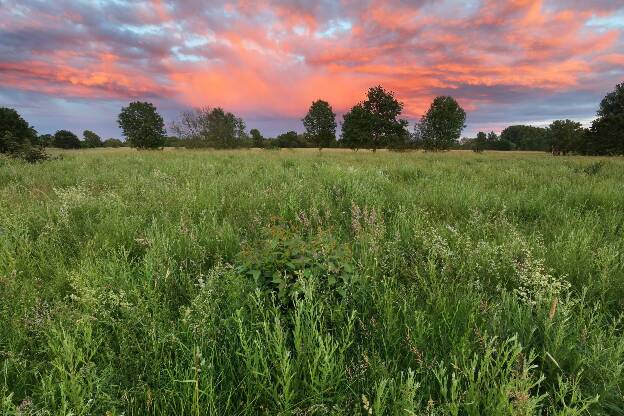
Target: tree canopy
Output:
{"points": [[320, 124], [142, 125], [65, 139], [206, 127], [442, 124], [91, 139], [606, 135], [15, 132]]}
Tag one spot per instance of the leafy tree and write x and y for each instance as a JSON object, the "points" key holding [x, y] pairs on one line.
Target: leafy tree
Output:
{"points": [[479, 144], [206, 127], [257, 140], [65, 139], [441, 126], [565, 136], [524, 137], [15, 132], [491, 140], [320, 124], [290, 139], [356, 128], [142, 125], [385, 126], [606, 135], [91, 139], [112, 142]]}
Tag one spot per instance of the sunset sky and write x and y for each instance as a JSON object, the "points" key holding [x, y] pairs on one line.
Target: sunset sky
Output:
{"points": [[74, 64]]}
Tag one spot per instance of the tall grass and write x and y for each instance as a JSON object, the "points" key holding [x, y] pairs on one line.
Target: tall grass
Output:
{"points": [[293, 282]]}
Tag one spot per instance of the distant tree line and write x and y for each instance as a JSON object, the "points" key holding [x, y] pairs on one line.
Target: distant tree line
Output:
{"points": [[373, 123]]}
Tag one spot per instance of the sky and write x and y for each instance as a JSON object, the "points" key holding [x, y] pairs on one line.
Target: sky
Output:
{"points": [[74, 64]]}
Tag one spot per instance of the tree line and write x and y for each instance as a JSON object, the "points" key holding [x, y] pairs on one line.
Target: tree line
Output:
{"points": [[373, 123]]}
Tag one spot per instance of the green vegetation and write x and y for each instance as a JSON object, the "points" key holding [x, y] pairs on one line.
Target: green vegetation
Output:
{"points": [[293, 282]]}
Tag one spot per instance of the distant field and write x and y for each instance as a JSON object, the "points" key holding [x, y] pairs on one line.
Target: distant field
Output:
{"points": [[293, 282]]}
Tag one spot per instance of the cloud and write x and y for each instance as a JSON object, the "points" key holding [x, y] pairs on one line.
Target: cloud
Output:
{"points": [[267, 60]]}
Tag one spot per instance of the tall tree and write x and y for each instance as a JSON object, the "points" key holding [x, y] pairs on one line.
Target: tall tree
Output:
{"points": [[385, 126], [443, 123], [142, 125], [257, 140], [65, 139], [356, 128], [479, 144], [565, 136], [606, 135], [91, 139], [15, 132], [320, 124]]}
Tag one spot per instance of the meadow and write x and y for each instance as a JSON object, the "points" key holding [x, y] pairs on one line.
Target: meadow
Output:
{"points": [[296, 282]]}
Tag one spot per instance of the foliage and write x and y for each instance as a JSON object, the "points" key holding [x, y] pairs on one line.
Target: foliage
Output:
{"points": [[442, 124], [257, 140], [480, 143], [289, 139], [65, 139], [112, 142], [406, 283], [356, 128], [15, 132], [206, 127], [565, 136], [320, 124], [606, 136], [91, 140], [142, 126], [523, 137]]}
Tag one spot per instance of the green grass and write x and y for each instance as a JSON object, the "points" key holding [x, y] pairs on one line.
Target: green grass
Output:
{"points": [[293, 282]]}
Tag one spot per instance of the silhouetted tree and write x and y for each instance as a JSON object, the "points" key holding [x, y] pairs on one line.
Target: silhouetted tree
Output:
{"points": [[356, 128], [257, 140], [441, 126], [142, 125], [15, 132], [606, 135], [524, 137], [565, 136], [206, 127], [65, 139], [91, 139], [290, 139], [385, 126], [480, 142], [320, 125]]}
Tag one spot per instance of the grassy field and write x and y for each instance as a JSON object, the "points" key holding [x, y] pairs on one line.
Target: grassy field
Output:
{"points": [[288, 282]]}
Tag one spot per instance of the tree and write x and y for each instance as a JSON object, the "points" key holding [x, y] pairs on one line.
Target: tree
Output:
{"points": [[206, 127], [442, 125], [383, 110], [112, 142], [142, 125], [606, 135], [257, 140], [565, 136], [356, 128], [290, 139], [65, 139], [524, 137], [91, 139], [479, 144], [15, 132], [320, 124], [45, 140]]}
